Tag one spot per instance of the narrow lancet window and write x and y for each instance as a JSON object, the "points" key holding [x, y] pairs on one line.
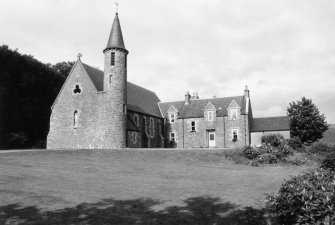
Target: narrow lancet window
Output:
{"points": [[113, 59], [75, 119]]}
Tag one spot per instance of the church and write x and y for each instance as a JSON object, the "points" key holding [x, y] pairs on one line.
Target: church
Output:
{"points": [[101, 110]]}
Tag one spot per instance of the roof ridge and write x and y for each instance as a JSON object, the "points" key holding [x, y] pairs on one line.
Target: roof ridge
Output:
{"points": [[203, 99], [270, 117]]}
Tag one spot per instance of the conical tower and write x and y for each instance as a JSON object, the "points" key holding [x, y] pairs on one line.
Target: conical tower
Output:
{"points": [[115, 86]]}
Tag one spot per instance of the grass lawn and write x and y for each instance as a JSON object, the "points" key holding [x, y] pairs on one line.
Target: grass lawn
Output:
{"points": [[53, 180]]}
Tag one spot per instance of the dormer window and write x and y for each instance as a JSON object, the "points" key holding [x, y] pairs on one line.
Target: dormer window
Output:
{"points": [[172, 118], [112, 58], [210, 115], [233, 113]]}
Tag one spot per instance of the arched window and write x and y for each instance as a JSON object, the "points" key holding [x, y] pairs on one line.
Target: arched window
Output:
{"points": [[75, 119], [151, 128], [136, 120]]}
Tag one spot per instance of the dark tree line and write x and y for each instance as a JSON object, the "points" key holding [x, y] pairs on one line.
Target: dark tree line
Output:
{"points": [[28, 89]]}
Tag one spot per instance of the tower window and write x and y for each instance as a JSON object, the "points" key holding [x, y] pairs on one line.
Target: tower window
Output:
{"points": [[75, 119], [110, 78], [125, 61], [192, 126], [124, 108], [112, 58]]}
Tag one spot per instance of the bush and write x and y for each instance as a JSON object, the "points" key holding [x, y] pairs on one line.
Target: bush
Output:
{"points": [[250, 152], [305, 199], [321, 148], [272, 139], [267, 158], [296, 144], [329, 163]]}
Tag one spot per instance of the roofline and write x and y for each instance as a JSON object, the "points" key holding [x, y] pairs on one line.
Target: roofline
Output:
{"points": [[91, 79], [115, 48], [204, 99], [160, 110], [271, 117], [68, 76], [254, 131], [144, 113]]}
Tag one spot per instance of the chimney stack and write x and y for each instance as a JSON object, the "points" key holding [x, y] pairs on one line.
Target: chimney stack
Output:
{"points": [[187, 98], [195, 95], [246, 91]]}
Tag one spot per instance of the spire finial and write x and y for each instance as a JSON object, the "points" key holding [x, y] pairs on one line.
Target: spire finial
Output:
{"points": [[79, 55], [117, 7]]}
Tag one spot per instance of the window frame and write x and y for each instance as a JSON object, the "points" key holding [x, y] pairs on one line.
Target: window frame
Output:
{"points": [[233, 135], [193, 126], [233, 111], [113, 58], [174, 117], [151, 127], [210, 114], [174, 136], [134, 137]]}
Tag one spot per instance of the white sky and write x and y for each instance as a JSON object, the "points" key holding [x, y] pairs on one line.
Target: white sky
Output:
{"points": [[281, 49]]}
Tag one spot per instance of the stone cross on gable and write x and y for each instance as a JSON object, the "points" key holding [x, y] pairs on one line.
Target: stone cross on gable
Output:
{"points": [[79, 55]]}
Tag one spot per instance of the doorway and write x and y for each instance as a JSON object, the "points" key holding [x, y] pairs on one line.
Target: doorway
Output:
{"points": [[211, 139]]}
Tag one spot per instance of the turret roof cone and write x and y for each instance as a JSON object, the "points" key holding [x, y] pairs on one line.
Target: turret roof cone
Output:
{"points": [[115, 38]]}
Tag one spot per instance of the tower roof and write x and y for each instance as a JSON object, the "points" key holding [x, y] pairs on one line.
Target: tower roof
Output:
{"points": [[115, 38]]}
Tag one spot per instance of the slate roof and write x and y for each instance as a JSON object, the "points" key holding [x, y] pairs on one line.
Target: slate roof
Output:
{"points": [[195, 109], [139, 99], [281, 123], [115, 38]]}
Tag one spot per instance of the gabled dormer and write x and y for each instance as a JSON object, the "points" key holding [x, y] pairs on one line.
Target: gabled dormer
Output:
{"points": [[172, 114], [234, 111], [210, 112]]}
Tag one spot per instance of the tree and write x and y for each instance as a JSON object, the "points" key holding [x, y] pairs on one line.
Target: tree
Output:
{"points": [[306, 122], [28, 88], [63, 68]]}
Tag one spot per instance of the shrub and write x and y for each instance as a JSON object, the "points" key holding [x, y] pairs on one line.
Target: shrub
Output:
{"points": [[329, 163], [273, 139], [250, 152], [267, 158], [321, 148], [305, 199], [296, 143]]}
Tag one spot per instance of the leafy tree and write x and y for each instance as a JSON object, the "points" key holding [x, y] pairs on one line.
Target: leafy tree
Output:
{"points": [[306, 122], [63, 68], [28, 88]]}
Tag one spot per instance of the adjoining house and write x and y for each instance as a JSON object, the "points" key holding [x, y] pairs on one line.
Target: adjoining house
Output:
{"points": [[101, 109], [269, 125]]}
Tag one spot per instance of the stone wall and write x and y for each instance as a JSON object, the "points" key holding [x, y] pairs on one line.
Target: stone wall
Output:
{"points": [[63, 132], [151, 130]]}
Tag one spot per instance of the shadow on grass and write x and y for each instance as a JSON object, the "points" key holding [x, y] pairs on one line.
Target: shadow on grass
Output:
{"points": [[198, 210]]}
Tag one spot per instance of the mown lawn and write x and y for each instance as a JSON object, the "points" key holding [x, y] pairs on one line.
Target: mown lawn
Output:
{"points": [[148, 179]]}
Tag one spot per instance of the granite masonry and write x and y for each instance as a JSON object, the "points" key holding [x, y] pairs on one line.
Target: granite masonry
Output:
{"points": [[102, 110]]}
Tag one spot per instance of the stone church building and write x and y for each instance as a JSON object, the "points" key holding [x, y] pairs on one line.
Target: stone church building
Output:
{"points": [[102, 110]]}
